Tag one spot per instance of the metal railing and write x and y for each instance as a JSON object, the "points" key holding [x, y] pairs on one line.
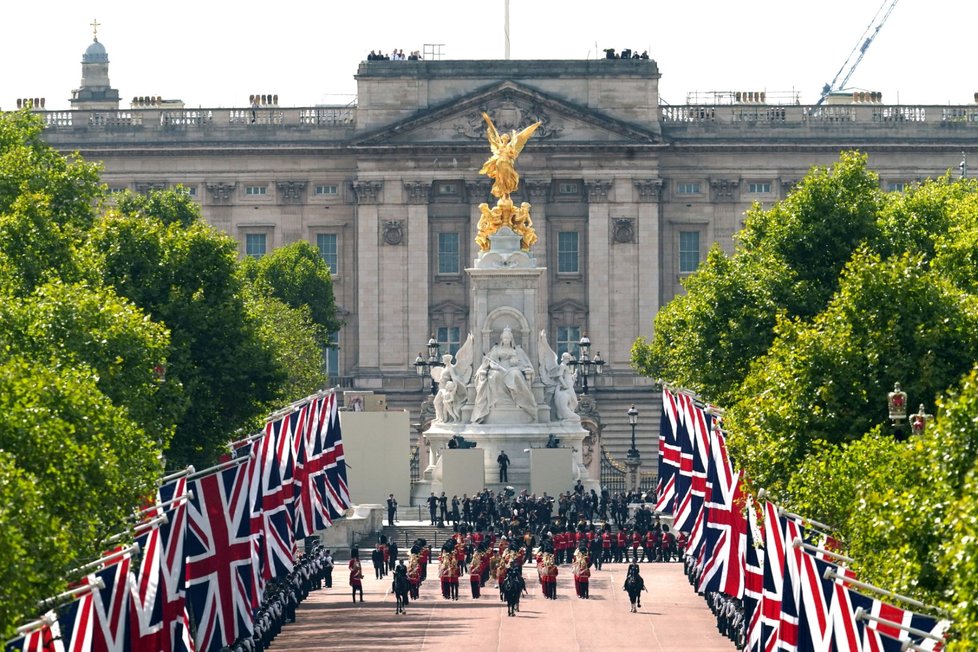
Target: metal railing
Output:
{"points": [[614, 476]]}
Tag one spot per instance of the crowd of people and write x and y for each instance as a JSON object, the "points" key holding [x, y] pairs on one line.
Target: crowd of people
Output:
{"points": [[729, 612], [312, 571], [395, 55], [627, 53]]}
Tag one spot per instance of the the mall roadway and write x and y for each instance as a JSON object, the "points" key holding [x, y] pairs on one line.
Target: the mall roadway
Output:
{"points": [[672, 617]]}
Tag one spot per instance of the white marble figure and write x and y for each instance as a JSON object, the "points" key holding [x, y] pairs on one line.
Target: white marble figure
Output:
{"points": [[452, 379], [558, 378], [505, 373]]}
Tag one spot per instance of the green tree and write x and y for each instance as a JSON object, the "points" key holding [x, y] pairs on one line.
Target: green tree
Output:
{"points": [[821, 380], [185, 275], [297, 275], [787, 262]]}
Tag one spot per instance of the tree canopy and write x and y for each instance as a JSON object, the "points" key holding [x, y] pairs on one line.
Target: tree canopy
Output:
{"points": [[830, 297]]}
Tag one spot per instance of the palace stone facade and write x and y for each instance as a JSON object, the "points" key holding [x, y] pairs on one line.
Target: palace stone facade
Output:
{"points": [[627, 194]]}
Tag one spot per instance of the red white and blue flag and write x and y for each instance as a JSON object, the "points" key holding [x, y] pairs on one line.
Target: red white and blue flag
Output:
{"points": [[669, 454], [220, 580], [46, 638], [337, 485]]}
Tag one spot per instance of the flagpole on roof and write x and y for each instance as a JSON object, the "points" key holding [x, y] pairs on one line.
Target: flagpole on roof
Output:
{"points": [[832, 575], [217, 467], [862, 615]]}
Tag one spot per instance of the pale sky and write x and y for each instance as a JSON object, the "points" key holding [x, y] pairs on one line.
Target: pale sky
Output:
{"points": [[213, 53]]}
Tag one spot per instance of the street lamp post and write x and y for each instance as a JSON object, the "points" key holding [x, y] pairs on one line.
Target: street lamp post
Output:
{"points": [[423, 366], [633, 421], [585, 364]]}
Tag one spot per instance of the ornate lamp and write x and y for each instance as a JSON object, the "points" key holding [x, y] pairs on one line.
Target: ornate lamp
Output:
{"points": [[423, 366], [632, 421], [585, 364], [897, 404], [919, 421]]}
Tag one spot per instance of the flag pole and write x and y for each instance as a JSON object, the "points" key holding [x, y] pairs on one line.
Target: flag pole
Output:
{"points": [[187, 496], [47, 620], [862, 615], [176, 474], [245, 440], [832, 575], [296, 404], [798, 543], [217, 467], [132, 549], [807, 522], [76, 592], [138, 529]]}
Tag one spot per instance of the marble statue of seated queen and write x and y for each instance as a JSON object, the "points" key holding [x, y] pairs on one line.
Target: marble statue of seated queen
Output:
{"points": [[504, 377]]}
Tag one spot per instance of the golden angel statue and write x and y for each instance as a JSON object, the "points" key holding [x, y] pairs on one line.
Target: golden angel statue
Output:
{"points": [[505, 149]]}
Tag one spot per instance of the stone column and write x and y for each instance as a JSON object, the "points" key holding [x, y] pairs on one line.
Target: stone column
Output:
{"points": [[634, 464], [597, 264], [418, 259], [647, 237], [290, 196], [367, 195], [219, 214], [537, 192]]}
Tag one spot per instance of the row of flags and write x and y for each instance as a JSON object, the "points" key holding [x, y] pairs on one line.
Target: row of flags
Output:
{"points": [[797, 591], [208, 544]]}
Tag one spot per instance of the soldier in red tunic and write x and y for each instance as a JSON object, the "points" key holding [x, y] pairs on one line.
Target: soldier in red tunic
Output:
{"points": [[356, 574], [475, 576], [622, 549]]}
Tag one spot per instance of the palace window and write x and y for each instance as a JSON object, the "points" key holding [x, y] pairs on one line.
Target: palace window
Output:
{"points": [[688, 188], [326, 189], [448, 253], [255, 245], [759, 187], [448, 338], [332, 353], [326, 242], [568, 340], [896, 186], [447, 189], [689, 251], [568, 188], [256, 190], [567, 252]]}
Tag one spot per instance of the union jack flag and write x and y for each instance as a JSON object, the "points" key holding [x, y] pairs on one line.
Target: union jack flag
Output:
{"points": [[110, 629], [75, 620], [277, 535], [726, 529], [146, 597], [685, 441], [220, 581], [874, 636], [774, 563], [173, 590], [815, 618], [753, 579], [311, 512], [46, 638], [336, 485], [699, 428], [669, 453]]}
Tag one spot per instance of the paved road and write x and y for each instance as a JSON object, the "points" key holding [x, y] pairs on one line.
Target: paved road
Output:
{"points": [[672, 617]]}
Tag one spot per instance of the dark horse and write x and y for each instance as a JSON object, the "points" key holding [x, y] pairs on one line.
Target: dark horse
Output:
{"points": [[634, 585], [401, 587], [513, 587]]}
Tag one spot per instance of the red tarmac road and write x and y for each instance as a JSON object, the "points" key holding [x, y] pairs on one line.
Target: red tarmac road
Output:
{"points": [[672, 617]]}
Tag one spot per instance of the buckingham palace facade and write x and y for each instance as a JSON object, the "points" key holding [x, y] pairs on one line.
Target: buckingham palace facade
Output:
{"points": [[628, 194]]}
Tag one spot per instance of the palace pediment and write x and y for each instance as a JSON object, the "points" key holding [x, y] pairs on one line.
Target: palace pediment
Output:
{"points": [[511, 106]]}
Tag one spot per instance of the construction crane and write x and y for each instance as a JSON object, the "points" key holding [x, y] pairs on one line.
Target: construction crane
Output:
{"points": [[861, 46]]}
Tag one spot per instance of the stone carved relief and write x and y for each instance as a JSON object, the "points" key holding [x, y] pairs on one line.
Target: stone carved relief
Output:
{"points": [[221, 193], [393, 232], [290, 192], [724, 189], [587, 409], [507, 115], [418, 192], [367, 192], [477, 191], [623, 230], [649, 189], [537, 190], [597, 191], [147, 186]]}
